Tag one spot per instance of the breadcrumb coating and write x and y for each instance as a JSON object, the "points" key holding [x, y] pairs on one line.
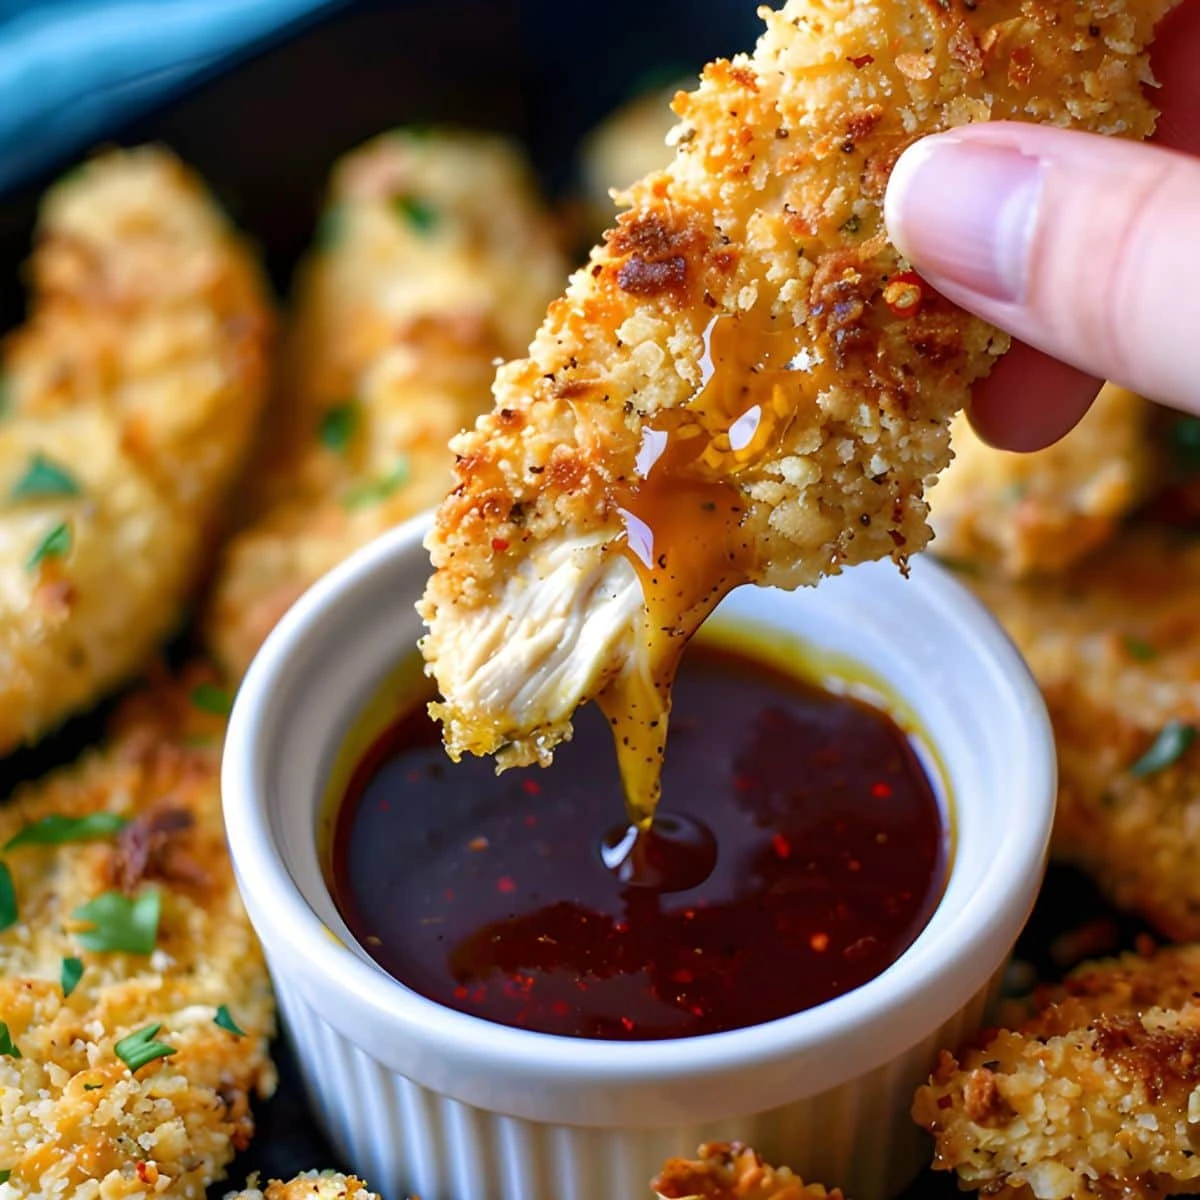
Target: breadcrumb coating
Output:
{"points": [[308, 1185], [1097, 1094], [1115, 646], [131, 395], [744, 383], [732, 1171], [75, 1120], [1026, 514], [435, 260]]}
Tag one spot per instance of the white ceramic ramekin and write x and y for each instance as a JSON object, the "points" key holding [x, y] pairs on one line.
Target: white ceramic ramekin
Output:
{"points": [[421, 1099]]}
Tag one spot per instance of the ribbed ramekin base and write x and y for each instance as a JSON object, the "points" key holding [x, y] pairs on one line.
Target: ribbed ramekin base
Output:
{"points": [[406, 1140]]}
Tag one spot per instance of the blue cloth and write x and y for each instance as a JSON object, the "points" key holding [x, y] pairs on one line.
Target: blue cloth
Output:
{"points": [[71, 71]]}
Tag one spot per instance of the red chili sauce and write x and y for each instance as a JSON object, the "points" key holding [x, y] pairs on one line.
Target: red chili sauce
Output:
{"points": [[799, 850]]}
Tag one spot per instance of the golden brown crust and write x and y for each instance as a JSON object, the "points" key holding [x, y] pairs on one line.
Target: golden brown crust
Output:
{"points": [[769, 222], [138, 377], [435, 261], [309, 1185], [1097, 1093], [732, 1171], [1115, 645], [77, 1119]]}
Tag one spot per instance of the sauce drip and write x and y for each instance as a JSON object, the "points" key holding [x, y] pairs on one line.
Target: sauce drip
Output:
{"points": [[804, 853], [684, 534]]}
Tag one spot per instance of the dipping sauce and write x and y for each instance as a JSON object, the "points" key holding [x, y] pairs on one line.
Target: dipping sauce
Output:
{"points": [[799, 850]]}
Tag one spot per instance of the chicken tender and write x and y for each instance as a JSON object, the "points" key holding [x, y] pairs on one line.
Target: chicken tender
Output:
{"points": [[309, 1185], [1098, 1094], [438, 261], [744, 383], [732, 1171], [1115, 646], [135, 1002], [130, 395], [1025, 514]]}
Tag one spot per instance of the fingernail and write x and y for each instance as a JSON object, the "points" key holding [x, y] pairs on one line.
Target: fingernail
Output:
{"points": [[967, 213]]}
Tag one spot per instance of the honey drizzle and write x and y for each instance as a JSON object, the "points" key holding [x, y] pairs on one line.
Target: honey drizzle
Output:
{"points": [[684, 516]]}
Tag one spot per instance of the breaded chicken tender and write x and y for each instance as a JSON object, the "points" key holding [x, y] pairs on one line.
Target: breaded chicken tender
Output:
{"points": [[1115, 646], [744, 383], [308, 1185], [437, 260], [732, 1171], [1024, 514], [1098, 1094], [134, 997], [131, 395]]}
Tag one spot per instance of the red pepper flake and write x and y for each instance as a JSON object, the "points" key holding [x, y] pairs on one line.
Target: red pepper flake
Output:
{"points": [[904, 294], [881, 790], [461, 993], [620, 926], [479, 995], [499, 545], [627, 1024], [860, 61], [682, 976], [781, 846], [819, 942], [506, 884], [532, 787], [530, 821], [560, 1008]]}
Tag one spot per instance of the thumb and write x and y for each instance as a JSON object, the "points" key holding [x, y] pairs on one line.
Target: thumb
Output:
{"points": [[1086, 247]]}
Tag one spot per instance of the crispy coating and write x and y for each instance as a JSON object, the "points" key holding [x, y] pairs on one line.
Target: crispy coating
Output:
{"points": [[308, 1185], [748, 314], [436, 260], [138, 378], [1023, 514], [732, 1171], [1115, 645], [74, 1120], [1097, 1094]]}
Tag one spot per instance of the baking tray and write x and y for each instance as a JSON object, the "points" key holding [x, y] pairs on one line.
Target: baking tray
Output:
{"points": [[264, 134]]}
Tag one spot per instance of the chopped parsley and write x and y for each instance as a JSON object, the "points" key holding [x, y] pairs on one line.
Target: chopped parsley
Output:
{"points": [[1173, 739], [337, 427], [54, 545], [1138, 649], [55, 830], [6, 1174], [43, 478], [224, 1021], [421, 215], [140, 1048], [121, 923], [72, 973], [209, 698], [373, 491], [7, 1045], [331, 227], [1185, 440], [8, 898]]}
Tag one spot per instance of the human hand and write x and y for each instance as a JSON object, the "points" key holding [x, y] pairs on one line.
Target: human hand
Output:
{"points": [[1085, 247]]}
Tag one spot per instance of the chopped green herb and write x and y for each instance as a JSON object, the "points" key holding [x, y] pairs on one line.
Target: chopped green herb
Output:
{"points": [[7, 1045], [419, 214], [337, 427], [1173, 739], [140, 1048], [1135, 647], [54, 830], [209, 698], [43, 478], [54, 545], [1185, 440], [376, 490], [119, 923], [91, 1087], [331, 227], [225, 1021], [72, 973], [8, 898], [6, 1174]]}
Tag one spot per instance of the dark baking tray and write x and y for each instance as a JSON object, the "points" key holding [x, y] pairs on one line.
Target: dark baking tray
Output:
{"points": [[264, 134]]}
